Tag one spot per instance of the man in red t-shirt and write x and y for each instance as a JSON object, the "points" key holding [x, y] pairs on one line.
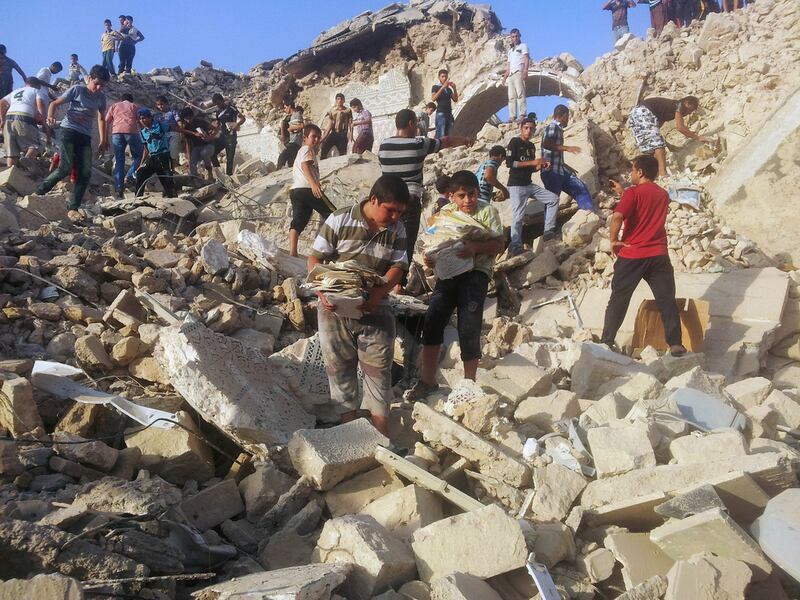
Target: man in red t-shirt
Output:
{"points": [[642, 253]]}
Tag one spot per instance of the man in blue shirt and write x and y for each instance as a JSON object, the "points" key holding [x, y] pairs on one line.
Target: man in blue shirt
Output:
{"points": [[169, 119], [487, 174], [155, 160], [559, 177]]}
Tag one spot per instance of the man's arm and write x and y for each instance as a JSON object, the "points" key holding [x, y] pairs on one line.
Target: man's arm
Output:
{"points": [[101, 120], [680, 125], [329, 127], [435, 95], [490, 175], [613, 233], [526, 62], [453, 141], [376, 294], [145, 155], [548, 143], [607, 5], [41, 115], [16, 67], [454, 95], [311, 178], [4, 106], [51, 110]]}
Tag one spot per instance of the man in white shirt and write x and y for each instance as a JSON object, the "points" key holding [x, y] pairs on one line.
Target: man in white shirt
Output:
{"points": [[19, 113], [45, 74], [516, 72]]}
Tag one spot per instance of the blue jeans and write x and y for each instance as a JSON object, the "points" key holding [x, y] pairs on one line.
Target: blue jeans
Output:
{"points": [[120, 141], [618, 32], [108, 61], [557, 183], [444, 123], [519, 202]]}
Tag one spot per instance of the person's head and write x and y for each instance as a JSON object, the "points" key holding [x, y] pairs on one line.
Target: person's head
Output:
{"points": [[129, 19], [515, 36], [689, 104], [288, 105], [644, 167], [312, 135], [443, 76], [2, 50], [561, 114], [464, 191], [33, 82], [186, 115], [122, 20], [526, 127], [339, 100], [145, 117], [497, 153], [356, 105], [73, 58], [218, 100], [162, 104], [443, 184], [532, 115], [387, 201], [107, 24], [98, 78], [430, 108], [127, 97], [56, 67], [406, 120]]}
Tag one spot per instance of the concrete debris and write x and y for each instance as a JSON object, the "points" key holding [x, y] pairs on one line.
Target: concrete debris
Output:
{"points": [[462, 586], [705, 576], [309, 582], [776, 531]]}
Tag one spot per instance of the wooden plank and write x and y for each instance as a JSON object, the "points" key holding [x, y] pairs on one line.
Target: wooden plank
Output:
{"points": [[422, 478]]}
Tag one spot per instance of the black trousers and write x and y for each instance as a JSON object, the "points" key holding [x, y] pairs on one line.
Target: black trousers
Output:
{"points": [[126, 54], [156, 164], [657, 272], [338, 139], [286, 158], [227, 143], [411, 219]]}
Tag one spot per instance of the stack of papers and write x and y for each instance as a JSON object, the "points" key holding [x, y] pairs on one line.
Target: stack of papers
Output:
{"points": [[443, 241], [345, 285]]}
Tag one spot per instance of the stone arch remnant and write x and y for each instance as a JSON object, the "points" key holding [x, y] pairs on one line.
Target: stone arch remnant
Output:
{"points": [[485, 97]]}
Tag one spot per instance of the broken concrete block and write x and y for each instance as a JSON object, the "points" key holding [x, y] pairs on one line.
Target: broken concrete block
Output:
{"points": [[515, 377], [711, 531], [639, 386], [556, 487], [214, 257], [483, 542], [125, 310], [309, 582], [640, 558], [404, 511], [749, 392], [91, 353], [380, 560], [778, 531], [761, 421], [213, 505], [43, 586], [636, 514], [544, 411], [18, 411], [610, 407], [16, 179], [787, 409], [126, 350], [288, 548], [148, 368], [617, 450], [580, 228], [650, 589], [597, 565], [691, 503], [540, 267], [462, 586], [491, 460], [262, 488], [596, 365], [554, 542], [176, 454], [93, 453], [349, 497], [696, 379], [328, 456], [138, 497], [691, 449], [708, 577]]}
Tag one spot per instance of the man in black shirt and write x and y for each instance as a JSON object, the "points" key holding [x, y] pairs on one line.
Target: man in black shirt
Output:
{"points": [[226, 114], [444, 94], [199, 144], [522, 162], [619, 17]]}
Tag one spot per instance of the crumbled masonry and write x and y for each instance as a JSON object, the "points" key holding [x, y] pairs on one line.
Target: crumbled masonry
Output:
{"points": [[629, 474]]}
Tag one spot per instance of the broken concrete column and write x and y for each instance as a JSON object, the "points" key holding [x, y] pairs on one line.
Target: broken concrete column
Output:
{"points": [[711, 531], [462, 586], [491, 460], [708, 577], [18, 411], [309, 582], [617, 450], [213, 505], [404, 511], [328, 456], [379, 559], [544, 411], [350, 496], [483, 542]]}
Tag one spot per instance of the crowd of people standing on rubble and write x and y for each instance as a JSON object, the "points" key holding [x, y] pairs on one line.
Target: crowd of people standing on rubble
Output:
{"points": [[679, 12], [379, 234]]}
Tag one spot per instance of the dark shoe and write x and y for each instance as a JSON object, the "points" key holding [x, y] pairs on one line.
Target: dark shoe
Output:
{"points": [[549, 235], [678, 350], [420, 391], [120, 194]]}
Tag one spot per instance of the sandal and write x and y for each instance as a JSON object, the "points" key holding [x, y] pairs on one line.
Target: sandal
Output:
{"points": [[420, 391]]}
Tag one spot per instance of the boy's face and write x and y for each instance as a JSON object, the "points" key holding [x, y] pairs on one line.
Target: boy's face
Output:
{"points": [[339, 102], [313, 139], [162, 106], [443, 78], [636, 175], [497, 157], [146, 121], [515, 38], [466, 199], [54, 69], [563, 119], [96, 85], [107, 25], [386, 214], [526, 131], [287, 109], [74, 59], [429, 110]]}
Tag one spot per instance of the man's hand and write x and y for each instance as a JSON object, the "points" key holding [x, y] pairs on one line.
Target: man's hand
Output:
{"points": [[372, 302], [103, 148], [541, 164], [316, 190], [51, 120], [326, 304], [429, 261], [617, 246], [234, 128], [616, 187], [451, 85], [573, 149], [467, 250]]}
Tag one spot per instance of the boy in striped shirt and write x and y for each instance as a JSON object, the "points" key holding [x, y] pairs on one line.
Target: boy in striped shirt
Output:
{"points": [[372, 235]]}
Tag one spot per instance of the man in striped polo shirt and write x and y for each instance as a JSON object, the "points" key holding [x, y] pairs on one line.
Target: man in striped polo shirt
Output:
{"points": [[404, 155], [372, 235]]}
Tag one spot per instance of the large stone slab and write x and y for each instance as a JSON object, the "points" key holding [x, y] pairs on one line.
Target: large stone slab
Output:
{"points": [[213, 505], [596, 365], [309, 582], [45, 587], [484, 543], [640, 558], [231, 385], [350, 496], [404, 511]]}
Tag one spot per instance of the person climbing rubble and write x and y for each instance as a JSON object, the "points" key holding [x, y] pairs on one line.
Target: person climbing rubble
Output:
{"points": [[361, 134], [155, 157], [291, 132], [641, 253], [371, 235], [229, 121], [466, 291], [336, 132], [559, 177], [122, 128], [20, 111], [647, 118]]}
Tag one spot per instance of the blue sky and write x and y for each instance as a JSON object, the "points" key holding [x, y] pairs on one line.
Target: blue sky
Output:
{"points": [[237, 34]]}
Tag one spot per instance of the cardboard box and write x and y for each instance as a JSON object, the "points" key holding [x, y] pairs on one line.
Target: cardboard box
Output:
{"points": [[648, 330]]}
